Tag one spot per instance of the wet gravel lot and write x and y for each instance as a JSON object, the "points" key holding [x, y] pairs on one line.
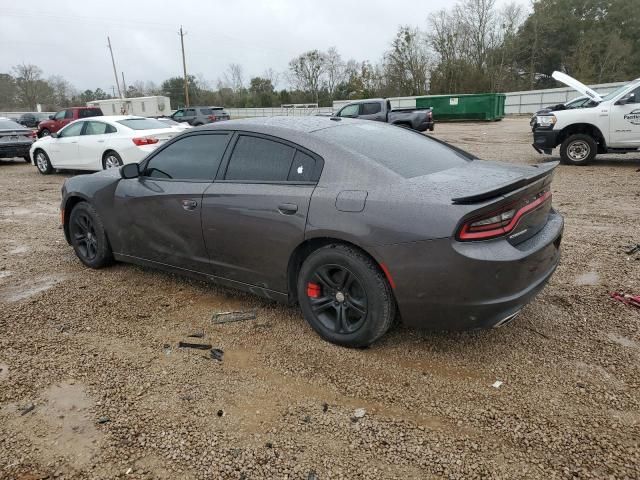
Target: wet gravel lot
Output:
{"points": [[92, 384]]}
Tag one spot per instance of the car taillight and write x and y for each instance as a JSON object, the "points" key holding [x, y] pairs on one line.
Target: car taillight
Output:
{"points": [[33, 134], [212, 118], [497, 224], [139, 141]]}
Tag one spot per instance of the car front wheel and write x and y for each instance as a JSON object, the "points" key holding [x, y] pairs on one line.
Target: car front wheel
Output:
{"points": [[578, 149], [43, 164], [344, 296], [88, 237]]}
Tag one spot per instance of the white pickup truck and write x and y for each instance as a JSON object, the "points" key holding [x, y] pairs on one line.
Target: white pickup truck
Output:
{"points": [[612, 125]]}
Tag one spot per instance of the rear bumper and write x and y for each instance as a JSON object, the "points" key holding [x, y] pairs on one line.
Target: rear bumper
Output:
{"points": [[424, 126], [14, 150], [545, 140], [448, 285]]}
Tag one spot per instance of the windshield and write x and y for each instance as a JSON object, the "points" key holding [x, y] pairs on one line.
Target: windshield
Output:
{"points": [[616, 92], [402, 151], [10, 125], [142, 123]]}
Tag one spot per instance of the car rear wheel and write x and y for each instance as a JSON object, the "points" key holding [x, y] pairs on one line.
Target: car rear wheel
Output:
{"points": [[578, 149], [344, 296], [88, 236], [111, 160], [43, 164]]}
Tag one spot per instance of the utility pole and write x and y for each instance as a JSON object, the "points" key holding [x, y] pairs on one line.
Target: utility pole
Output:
{"points": [[113, 90], [124, 87], [184, 66], [115, 72]]}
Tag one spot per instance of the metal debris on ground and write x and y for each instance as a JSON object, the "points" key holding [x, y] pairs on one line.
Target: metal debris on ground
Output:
{"points": [[27, 408], [631, 300], [497, 384], [197, 346], [359, 413], [199, 334], [103, 420], [631, 249], [217, 353], [228, 317]]}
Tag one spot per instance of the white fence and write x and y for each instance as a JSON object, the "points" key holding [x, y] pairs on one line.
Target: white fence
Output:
{"points": [[531, 101], [276, 111]]}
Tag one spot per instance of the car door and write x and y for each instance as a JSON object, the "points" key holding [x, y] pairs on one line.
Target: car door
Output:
{"points": [[350, 111], [255, 214], [159, 213], [178, 115], [63, 150], [624, 118], [371, 111], [91, 144], [189, 115]]}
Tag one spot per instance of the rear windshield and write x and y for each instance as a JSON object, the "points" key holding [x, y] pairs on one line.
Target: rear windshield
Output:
{"points": [[10, 125], [402, 151], [142, 123], [89, 112]]}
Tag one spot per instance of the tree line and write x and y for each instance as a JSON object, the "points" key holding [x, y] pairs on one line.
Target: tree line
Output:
{"points": [[474, 46]]}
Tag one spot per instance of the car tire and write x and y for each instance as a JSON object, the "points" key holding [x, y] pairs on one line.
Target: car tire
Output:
{"points": [[43, 164], [111, 159], [44, 133], [27, 158], [88, 236], [578, 149], [352, 315]]}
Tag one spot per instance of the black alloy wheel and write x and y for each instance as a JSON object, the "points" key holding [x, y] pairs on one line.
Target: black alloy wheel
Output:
{"points": [[84, 236], [344, 296], [337, 299], [88, 237]]}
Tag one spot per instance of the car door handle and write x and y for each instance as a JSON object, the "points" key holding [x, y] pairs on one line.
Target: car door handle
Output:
{"points": [[189, 204], [287, 208], [100, 141]]}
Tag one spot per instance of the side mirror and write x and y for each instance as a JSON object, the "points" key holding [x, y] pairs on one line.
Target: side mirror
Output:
{"points": [[626, 100], [50, 117], [54, 135], [130, 170]]}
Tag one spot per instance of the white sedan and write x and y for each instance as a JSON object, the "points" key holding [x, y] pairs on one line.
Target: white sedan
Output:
{"points": [[98, 143]]}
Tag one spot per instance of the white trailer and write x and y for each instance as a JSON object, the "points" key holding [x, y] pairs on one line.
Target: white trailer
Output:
{"points": [[155, 106]]}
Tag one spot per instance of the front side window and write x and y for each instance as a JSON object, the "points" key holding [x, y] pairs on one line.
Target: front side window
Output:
{"points": [[68, 114], [178, 114], [190, 112], [257, 159], [370, 108], [196, 157], [349, 111], [632, 97], [72, 130], [98, 128]]}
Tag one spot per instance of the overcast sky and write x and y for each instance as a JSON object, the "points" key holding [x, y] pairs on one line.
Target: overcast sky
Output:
{"points": [[69, 38]]}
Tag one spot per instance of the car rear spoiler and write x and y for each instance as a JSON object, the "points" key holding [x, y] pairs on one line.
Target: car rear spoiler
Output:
{"points": [[545, 169]]}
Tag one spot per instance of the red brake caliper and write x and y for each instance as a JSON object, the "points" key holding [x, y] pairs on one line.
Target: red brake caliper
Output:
{"points": [[313, 290]]}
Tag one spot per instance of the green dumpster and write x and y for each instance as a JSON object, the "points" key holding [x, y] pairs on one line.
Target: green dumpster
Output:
{"points": [[480, 106]]}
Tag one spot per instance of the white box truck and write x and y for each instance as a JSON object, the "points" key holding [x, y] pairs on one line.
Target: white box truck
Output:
{"points": [[154, 106]]}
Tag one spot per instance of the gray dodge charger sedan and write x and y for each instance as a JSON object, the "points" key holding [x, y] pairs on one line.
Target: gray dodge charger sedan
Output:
{"points": [[354, 220]]}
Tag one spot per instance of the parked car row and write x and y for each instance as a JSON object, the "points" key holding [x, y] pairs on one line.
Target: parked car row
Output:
{"points": [[15, 139]]}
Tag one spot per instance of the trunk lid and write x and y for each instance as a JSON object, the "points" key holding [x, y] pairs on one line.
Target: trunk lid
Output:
{"points": [[162, 134], [576, 85]]}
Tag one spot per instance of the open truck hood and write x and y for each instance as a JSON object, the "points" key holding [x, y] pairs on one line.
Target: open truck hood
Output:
{"points": [[576, 85]]}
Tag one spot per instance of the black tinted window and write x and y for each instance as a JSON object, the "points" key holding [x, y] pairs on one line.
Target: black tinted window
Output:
{"points": [[258, 159], [370, 108], [402, 151], [206, 111], [191, 158], [302, 168], [68, 114], [89, 112]]}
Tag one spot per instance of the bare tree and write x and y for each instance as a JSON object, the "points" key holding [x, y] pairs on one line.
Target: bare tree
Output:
{"points": [[31, 89], [234, 77], [406, 64], [335, 70], [273, 76], [307, 71], [63, 91]]}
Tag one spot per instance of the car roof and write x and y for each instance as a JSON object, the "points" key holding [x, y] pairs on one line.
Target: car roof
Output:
{"points": [[303, 124], [367, 100]]}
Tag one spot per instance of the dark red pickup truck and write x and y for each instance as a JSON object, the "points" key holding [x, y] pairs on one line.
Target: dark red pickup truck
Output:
{"points": [[68, 115]]}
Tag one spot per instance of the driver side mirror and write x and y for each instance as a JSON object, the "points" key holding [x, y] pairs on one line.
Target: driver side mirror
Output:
{"points": [[130, 170], [54, 135], [50, 117], [627, 100]]}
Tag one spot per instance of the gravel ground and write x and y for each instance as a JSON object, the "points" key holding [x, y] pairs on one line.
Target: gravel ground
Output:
{"points": [[92, 384]]}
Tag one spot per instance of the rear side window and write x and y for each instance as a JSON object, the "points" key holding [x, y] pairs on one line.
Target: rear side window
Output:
{"points": [[302, 168], [68, 114], [98, 128], [407, 153], [206, 111], [370, 108], [196, 157], [258, 159]]}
